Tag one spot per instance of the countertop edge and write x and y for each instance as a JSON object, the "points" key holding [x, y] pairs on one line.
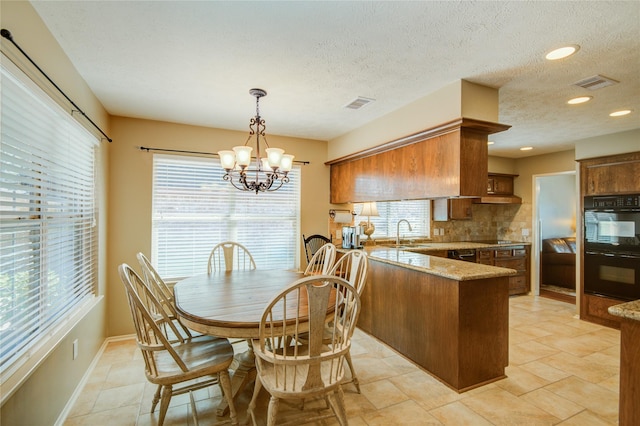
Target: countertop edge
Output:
{"points": [[628, 310], [447, 268]]}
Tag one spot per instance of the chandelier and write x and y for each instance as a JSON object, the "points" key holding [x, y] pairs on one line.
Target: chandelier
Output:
{"points": [[268, 173]]}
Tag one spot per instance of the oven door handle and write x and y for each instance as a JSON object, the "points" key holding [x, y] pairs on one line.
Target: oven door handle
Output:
{"points": [[599, 253], [630, 256], [609, 254]]}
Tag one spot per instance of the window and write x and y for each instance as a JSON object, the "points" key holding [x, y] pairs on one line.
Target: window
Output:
{"points": [[417, 212], [47, 228], [194, 209]]}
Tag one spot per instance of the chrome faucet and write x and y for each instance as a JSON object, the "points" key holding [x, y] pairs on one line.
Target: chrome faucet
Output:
{"points": [[398, 229]]}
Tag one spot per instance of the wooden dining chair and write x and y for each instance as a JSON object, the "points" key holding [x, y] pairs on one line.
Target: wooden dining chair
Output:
{"points": [[316, 368], [313, 243], [353, 267], [162, 292], [230, 256], [189, 363], [322, 261]]}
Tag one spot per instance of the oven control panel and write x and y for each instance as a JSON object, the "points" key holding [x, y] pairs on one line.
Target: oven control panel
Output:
{"points": [[612, 201]]}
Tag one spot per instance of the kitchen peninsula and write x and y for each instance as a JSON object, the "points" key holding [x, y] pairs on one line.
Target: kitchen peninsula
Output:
{"points": [[449, 316]]}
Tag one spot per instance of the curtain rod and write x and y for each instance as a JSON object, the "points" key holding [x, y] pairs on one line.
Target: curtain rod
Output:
{"points": [[147, 148], [7, 34]]}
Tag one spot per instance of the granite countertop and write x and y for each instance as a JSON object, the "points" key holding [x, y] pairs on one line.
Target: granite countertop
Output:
{"points": [[629, 310], [457, 245], [448, 268]]}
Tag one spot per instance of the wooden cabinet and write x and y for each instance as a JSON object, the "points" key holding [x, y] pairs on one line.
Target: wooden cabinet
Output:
{"points": [[616, 174], [517, 258], [456, 330], [452, 209], [499, 190], [449, 160], [500, 184], [629, 372], [596, 309]]}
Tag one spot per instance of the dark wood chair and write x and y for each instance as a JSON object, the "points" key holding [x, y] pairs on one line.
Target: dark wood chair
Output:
{"points": [[313, 243]]}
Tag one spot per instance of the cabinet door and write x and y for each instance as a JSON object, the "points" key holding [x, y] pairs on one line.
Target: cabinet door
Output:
{"points": [[455, 209], [500, 185], [612, 178], [460, 208], [485, 257]]}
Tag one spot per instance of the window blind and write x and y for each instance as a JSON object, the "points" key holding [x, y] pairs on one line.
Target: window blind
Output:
{"points": [[47, 223], [417, 212], [194, 209]]}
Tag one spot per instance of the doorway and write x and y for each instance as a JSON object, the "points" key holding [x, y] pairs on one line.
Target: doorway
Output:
{"points": [[554, 247]]}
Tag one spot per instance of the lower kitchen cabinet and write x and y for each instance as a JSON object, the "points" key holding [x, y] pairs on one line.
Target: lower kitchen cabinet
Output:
{"points": [[517, 257], [457, 330]]}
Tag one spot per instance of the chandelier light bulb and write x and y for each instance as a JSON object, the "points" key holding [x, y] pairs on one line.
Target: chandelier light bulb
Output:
{"points": [[274, 155], [227, 159], [286, 163], [243, 155]]}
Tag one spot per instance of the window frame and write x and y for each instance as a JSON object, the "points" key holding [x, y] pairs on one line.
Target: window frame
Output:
{"points": [[390, 212], [216, 201], [48, 205]]}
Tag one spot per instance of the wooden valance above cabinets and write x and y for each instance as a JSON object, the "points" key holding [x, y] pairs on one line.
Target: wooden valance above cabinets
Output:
{"points": [[449, 160]]}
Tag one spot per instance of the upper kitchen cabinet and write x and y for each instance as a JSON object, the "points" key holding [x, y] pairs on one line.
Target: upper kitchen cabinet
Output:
{"points": [[447, 161], [500, 190], [615, 174]]}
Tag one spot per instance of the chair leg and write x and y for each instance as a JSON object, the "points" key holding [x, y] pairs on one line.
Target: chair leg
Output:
{"points": [[164, 403], [337, 405], [225, 383], [354, 378], [156, 398], [273, 411], [254, 398]]}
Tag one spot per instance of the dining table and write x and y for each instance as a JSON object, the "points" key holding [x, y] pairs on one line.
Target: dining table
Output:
{"points": [[230, 304]]}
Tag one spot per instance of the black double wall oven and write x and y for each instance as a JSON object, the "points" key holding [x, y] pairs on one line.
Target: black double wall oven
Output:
{"points": [[612, 246]]}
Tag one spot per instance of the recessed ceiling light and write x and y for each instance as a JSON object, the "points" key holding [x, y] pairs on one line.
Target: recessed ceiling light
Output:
{"points": [[620, 113], [526, 148], [562, 52], [490, 143], [579, 100]]}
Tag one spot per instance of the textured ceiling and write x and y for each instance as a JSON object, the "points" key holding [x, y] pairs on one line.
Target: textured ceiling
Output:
{"points": [[194, 62]]}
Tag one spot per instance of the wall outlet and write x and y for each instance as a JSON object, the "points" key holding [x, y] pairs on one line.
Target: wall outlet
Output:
{"points": [[525, 232], [75, 349], [436, 232], [441, 231]]}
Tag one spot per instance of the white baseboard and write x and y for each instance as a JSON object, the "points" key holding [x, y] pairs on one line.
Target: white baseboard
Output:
{"points": [[85, 378]]}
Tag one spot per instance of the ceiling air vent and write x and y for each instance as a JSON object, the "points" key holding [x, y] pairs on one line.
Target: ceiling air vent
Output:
{"points": [[595, 82], [358, 102]]}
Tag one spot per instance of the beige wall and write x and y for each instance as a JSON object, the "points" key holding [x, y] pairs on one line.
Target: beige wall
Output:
{"points": [[617, 143], [42, 397], [131, 184], [459, 99]]}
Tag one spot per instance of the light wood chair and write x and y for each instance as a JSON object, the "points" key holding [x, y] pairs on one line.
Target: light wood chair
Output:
{"points": [[322, 261], [314, 369], [191, 363], [230, 256], [162, 292], [353, 267], [313, 243]]}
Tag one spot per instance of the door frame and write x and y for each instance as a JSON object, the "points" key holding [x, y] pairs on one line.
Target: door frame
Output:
{"points": [[536, 243]]}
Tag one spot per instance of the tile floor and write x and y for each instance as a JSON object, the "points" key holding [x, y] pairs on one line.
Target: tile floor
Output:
{"points": [[561, 371]]}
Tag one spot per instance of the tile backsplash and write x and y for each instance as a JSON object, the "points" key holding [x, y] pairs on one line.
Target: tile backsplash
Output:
{"points": [[488, 222]]}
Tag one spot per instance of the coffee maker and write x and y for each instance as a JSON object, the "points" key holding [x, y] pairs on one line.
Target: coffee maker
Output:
{"points": [[352, 236]]}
